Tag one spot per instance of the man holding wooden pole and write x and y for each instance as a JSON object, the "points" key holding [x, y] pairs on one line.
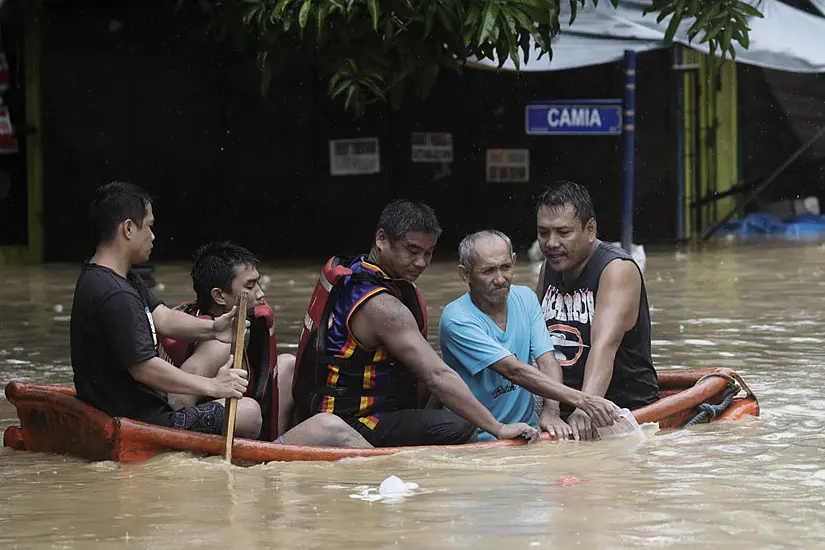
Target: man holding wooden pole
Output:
{"points": [[115, 323]]}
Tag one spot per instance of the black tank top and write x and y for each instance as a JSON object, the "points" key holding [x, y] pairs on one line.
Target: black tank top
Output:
{"points": [[568, 312]]}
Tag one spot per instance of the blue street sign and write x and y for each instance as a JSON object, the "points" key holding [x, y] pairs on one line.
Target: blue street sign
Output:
{"points": [[574, 118]]}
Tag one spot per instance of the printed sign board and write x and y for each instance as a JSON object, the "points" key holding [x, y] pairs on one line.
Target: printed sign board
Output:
{"points": [[508, 165], [584, 118], [432, 147], [349, 157]]}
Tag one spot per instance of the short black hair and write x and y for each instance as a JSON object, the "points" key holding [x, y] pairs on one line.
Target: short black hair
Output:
{"points": [[214, 267], [402, 216], [566, 192], [113, 204]]}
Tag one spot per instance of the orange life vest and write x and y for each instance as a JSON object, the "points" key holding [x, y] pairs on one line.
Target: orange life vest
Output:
{"points": [[328, 379]]}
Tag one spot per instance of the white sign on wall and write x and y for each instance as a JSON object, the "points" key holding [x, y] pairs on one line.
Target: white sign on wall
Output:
{"points": [[349, 157], [432, 147], [508, 165]]}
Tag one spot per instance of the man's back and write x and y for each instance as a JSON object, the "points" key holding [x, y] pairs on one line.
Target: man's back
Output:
{"points": [[112, 330]]}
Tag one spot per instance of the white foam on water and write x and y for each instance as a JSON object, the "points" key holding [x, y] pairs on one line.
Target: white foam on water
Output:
{"points": [[692, 342]]}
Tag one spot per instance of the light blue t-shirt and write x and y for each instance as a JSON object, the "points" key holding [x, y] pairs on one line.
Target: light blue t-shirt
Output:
{"points": [[471, 341]]}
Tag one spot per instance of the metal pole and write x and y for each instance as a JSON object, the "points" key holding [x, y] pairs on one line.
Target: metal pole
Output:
{"points": [[679, 99], [628, 146]]}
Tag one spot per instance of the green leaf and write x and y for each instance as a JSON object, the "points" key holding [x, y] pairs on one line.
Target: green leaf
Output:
{"points": [[711, 34], [430, 19], [574, 8], [523, 20], [321, 18], [745, 40], [748, 10], [488, 23], [472, 16], [510, 34], [664, 14], [303, 15], [375, 12], [531, 3], [672, 27], [444, 19], [703, 20], [726, 37], [279, 7]]}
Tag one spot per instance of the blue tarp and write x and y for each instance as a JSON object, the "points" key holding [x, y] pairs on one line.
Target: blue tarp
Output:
{"points": [[762, 224]]}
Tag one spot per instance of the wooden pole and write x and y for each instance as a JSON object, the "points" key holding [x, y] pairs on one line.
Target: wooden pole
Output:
{"points": [[238, 337]]}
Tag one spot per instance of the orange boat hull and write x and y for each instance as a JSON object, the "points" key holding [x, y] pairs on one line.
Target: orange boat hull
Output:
{"points": [[52, 420]]}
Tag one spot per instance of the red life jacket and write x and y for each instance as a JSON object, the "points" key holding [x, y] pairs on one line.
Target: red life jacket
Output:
{"points": [[262, 356], [312, 363]]}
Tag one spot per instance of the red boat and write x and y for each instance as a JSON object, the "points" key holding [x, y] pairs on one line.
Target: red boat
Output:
{"points": [[52, 420]]}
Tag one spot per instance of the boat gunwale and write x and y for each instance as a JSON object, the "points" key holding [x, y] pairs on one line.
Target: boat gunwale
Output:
{"points": [[126, 440]]}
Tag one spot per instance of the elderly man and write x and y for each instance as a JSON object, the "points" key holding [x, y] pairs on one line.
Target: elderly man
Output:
{"points": [[489, 334]]}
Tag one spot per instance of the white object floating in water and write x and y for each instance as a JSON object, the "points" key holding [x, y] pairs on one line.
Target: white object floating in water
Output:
{"points": [[161, 287], [392, 489], [58, 308], [393, 486]]}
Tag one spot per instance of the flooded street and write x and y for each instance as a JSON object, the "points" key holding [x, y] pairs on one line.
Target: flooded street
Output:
{"points": [[760, 484]]}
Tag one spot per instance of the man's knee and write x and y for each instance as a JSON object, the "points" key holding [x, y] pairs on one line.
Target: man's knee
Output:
{"points": [[450, 429], [334, 431], [248, 420]]}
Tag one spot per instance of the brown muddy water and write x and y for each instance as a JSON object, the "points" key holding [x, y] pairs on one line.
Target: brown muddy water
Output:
{"points": [[758, 484]]}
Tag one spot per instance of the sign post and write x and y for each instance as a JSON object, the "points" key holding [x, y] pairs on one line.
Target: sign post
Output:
{"points": [[628, 147]]}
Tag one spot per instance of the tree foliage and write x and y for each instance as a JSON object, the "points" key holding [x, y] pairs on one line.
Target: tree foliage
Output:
{"points": [[384, 50]]}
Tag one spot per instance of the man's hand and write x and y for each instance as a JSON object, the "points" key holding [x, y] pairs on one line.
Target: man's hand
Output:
{"points": [[229, 382], [223, 326], [601, 411], [582, 427], [552, 423], [512, 431]]}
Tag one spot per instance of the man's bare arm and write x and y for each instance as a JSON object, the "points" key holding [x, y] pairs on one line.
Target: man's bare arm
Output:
{"points": [[384, 320], [188, 328], [617, 308], [549, 367], [601, 411], [162, 376]]}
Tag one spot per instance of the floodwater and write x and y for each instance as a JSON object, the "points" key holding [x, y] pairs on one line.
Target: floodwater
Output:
{"points": [[758, 484]]}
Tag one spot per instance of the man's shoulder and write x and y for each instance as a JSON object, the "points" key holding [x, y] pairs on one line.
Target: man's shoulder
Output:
{"points": [[524, 295], [458, 308], [97, 282]]}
